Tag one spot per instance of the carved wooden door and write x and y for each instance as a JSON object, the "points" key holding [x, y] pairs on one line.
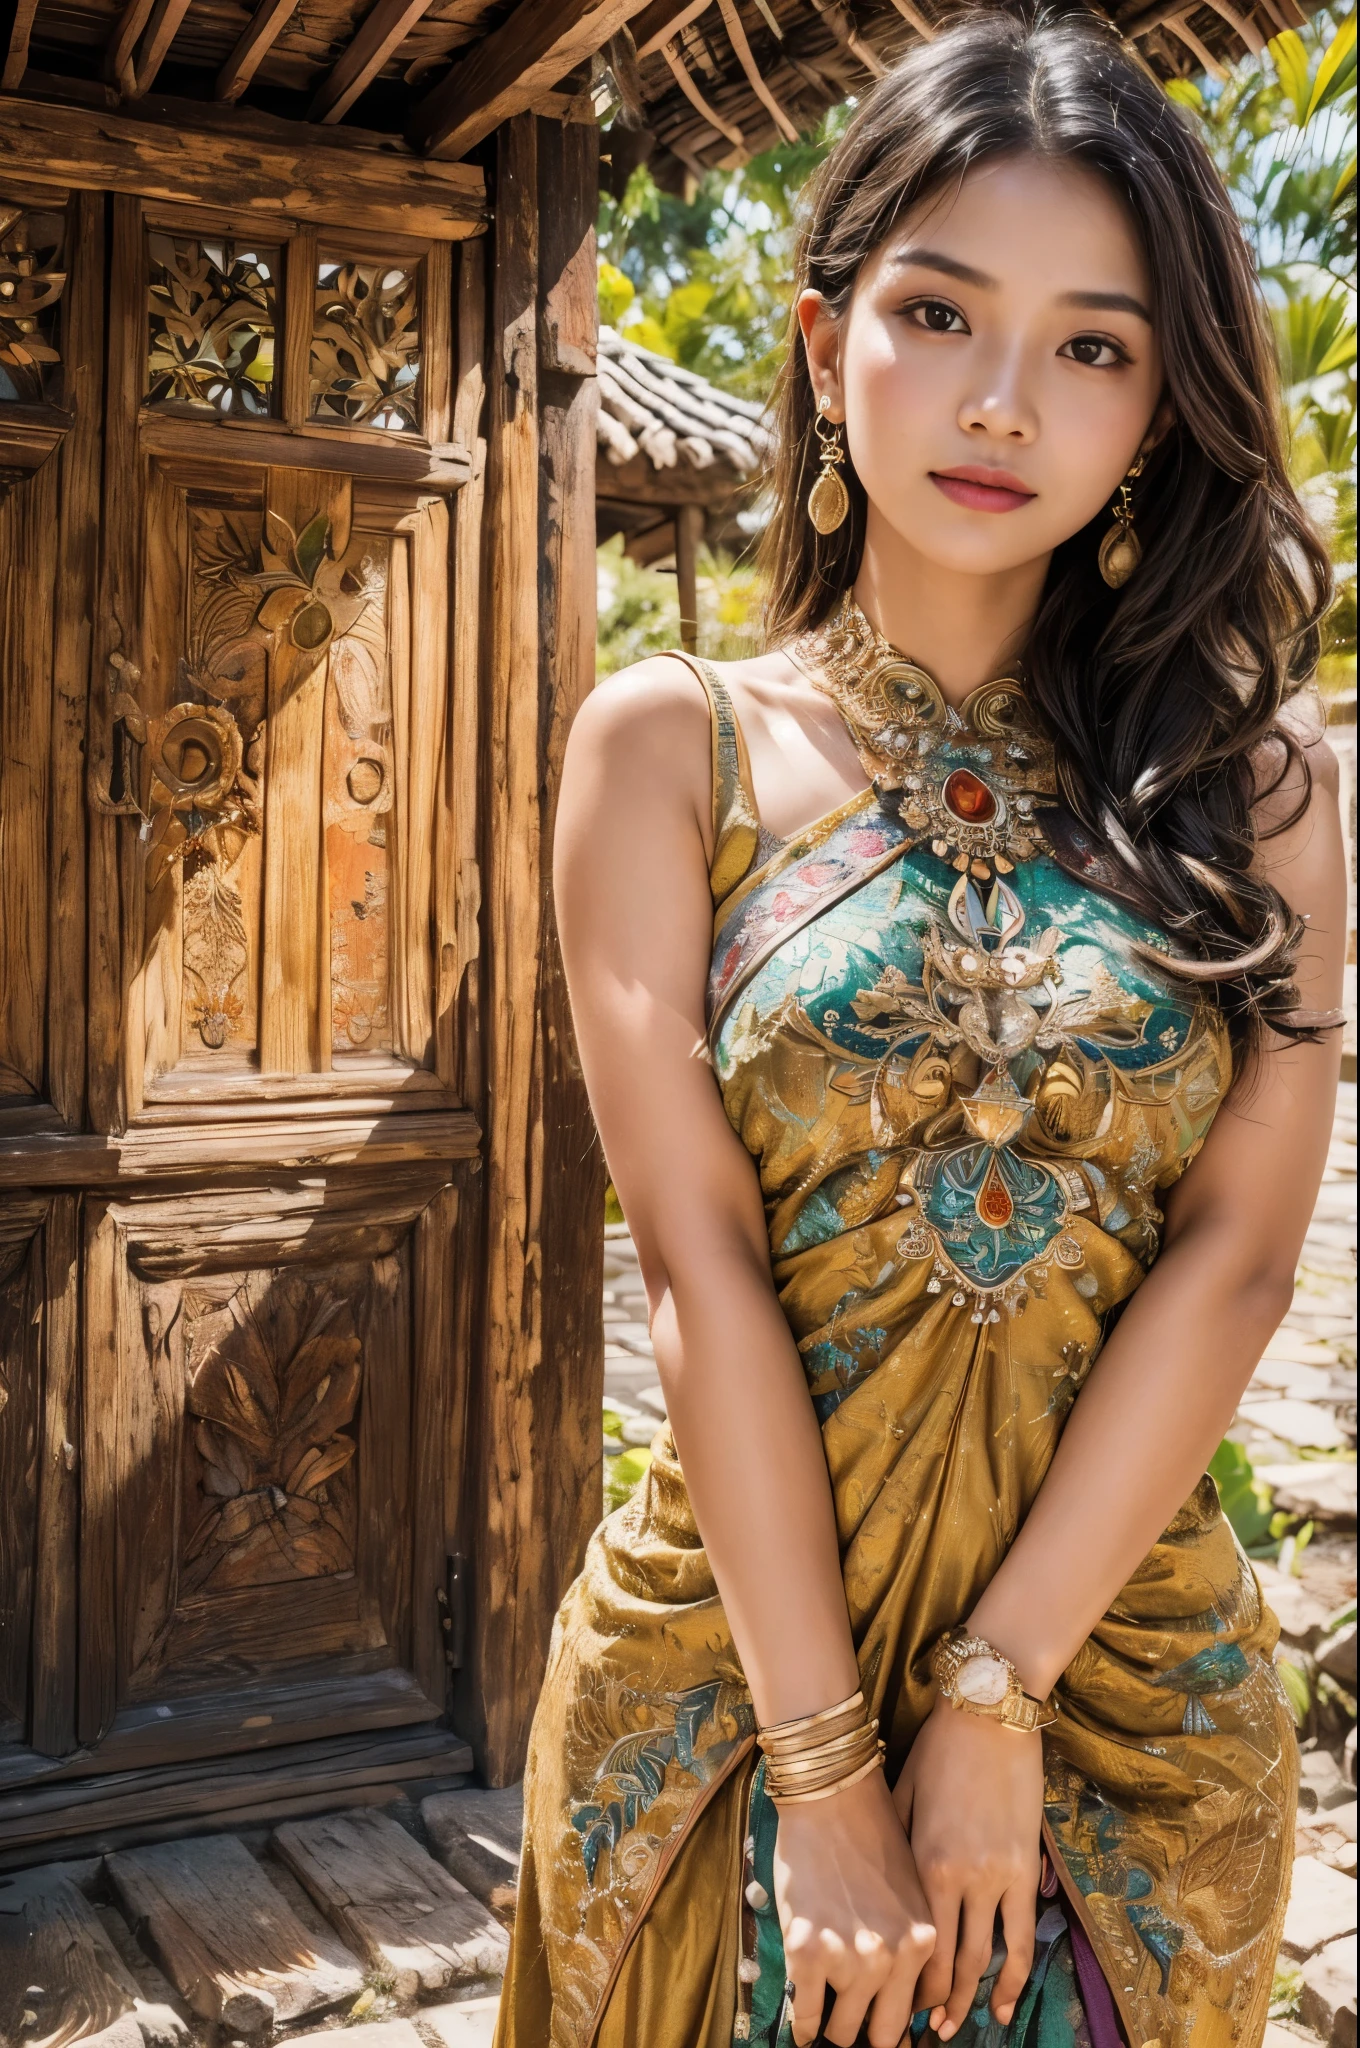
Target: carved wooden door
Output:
{"points": [[266, 1225]]}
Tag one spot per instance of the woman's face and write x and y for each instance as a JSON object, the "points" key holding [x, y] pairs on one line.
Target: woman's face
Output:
{"points": [[997, 369]]}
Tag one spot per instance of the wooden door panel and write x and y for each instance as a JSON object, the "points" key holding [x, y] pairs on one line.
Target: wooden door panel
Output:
{"points": [[294, 643], [254, 1526], [21, 1333]]}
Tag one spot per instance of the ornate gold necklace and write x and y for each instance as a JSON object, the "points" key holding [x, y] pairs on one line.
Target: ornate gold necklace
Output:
{"points": [[972, 780]]}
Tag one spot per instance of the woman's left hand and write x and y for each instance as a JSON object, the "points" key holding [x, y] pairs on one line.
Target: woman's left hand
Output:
{"points": [[971, 1798]]}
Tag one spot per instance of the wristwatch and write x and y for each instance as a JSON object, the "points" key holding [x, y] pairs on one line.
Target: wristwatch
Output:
{"points": [[971, 1674]]}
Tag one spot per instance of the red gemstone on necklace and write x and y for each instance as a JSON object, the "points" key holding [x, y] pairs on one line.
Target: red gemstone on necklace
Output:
{"points": [[994, 1204], [968, 798]]}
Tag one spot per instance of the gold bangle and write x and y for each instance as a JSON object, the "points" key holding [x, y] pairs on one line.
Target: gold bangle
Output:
{"points": [[780, 1731], [837, 1746], [809, 1771], [838, 1784]]}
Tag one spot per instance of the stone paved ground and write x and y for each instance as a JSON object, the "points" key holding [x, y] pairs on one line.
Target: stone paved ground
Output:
{"points": [[1297, 1425]]}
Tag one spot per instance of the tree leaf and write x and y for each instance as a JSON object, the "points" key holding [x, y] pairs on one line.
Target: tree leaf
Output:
{"points": [[1337, 68], [1291, 67]]}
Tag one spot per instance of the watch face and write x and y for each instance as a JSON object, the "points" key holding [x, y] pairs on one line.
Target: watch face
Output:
{"points": [[983, 1681]]}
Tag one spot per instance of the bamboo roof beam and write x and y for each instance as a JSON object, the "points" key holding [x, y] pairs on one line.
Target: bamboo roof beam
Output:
{"points": [[1246, 29], [1192, 43], [914, 17], [680, 73], [378, 35], [16, 58], [118, 57], [511, 68], [154, 47], [846, 36], [257, 39], [657, 24], [737, 36]]}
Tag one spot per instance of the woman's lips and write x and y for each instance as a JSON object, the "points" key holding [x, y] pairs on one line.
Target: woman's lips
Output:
{"points": [[982, 491]]}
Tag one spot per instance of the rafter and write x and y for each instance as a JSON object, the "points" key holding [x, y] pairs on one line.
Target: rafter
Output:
{"points": [[680, 73], [511, 68], [154, 47], [916, 20], [663, 19], [359, 63], [1197, 49], [1241, 25], [737, 35], [118, 57], [16, 60], [258, 37], [836, 21]]}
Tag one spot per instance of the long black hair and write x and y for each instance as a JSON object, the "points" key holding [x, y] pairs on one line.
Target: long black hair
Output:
{"points": [[1163, 698]]}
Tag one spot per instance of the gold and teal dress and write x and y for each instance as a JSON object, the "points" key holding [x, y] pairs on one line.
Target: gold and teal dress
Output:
{"points": [[966, 1085]]}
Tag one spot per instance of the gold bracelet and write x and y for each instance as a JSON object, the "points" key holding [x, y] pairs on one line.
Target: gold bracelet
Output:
{"points": [[837, 1785], [779, 1732]]}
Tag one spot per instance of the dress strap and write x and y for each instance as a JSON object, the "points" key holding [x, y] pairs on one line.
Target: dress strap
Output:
{"points": [[736, 825]]}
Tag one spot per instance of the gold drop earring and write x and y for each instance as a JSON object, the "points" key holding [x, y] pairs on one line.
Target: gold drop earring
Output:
{"points": [[828, 500], [1120, 552]]}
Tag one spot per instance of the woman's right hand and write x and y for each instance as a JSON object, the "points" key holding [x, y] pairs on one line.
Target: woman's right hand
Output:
{"points": [[853, 1914]]}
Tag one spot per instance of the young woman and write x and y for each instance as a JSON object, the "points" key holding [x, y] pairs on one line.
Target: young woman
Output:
{"points": [[913, 964]]}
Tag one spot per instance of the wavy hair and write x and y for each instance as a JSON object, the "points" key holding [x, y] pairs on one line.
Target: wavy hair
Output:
{"points": [[1163, 699]]}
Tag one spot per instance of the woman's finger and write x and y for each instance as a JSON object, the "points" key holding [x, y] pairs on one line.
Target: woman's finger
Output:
{"points": [[806, 1965], [890, 2017], [974, 1953], [938, 1974], [1017, 1921], [862, 1974]]}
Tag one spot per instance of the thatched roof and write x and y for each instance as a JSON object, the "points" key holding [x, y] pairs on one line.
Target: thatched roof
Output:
{"points": [[717, 81], [706, 81], [673, 417]]}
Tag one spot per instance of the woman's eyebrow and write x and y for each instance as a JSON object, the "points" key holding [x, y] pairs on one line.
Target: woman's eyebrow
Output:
{"points": [[1107, 302], [934, 259]]}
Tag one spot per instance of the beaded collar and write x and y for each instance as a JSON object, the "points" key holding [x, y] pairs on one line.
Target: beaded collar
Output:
{"points": [[972, 780]]}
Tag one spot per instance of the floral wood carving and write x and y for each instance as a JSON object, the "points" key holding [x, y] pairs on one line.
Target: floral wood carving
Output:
{"points": [[211, 310], [32, 281], [366, 346], [274, 1382]]}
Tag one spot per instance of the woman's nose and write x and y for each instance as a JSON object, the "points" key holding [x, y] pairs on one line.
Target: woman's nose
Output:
{"points": [[997, 404]]}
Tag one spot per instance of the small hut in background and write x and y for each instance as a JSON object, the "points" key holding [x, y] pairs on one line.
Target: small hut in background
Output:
{"points": [[678, 462]]}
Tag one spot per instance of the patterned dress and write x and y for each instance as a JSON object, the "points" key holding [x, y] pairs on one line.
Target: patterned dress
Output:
{"points": [[965, 1086]]}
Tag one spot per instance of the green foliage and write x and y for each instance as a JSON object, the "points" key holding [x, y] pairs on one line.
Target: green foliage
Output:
{"points": [[1282, 134], [712, 279], [638, 610], [1245, 1500]]}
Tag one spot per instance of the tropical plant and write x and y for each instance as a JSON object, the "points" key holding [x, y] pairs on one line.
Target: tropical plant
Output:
{"points": [[1282, 132]]}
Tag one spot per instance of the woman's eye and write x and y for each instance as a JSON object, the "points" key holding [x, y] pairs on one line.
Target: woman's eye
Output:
{"points": [[1094, 350], [937, 317]]}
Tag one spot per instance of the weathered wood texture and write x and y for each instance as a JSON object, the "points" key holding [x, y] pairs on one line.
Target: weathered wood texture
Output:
{"points": [[52, 1731], [508, 70], [226, 1938], [27, 598], [477, 1835], [392, 1903], [571, 1384], [58, 1966], [77, 583], [125, 1807], [21, 1343], [294, 180], [535, 1460]]}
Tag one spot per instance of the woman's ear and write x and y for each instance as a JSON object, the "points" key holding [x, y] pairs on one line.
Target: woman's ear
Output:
{"points": [[821, 333], [1160, 425]]}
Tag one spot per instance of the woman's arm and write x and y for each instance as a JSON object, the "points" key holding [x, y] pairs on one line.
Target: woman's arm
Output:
{"points": [[1152, 1412], [633, 908]]}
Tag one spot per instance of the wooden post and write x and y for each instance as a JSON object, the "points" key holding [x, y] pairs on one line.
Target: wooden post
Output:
{"points": [[535, 1485], [689, 531]]}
